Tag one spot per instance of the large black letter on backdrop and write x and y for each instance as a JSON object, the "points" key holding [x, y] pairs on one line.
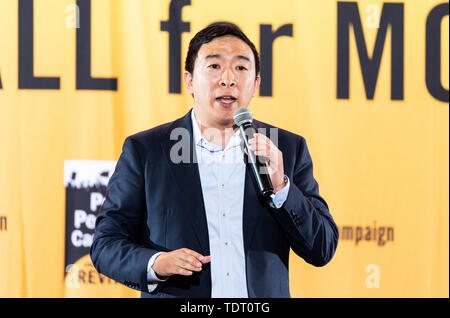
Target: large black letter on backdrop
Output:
{"points": [[267, 37], [27, 80], [84, 79], [433, 52], [175, 26], [392, 14]]}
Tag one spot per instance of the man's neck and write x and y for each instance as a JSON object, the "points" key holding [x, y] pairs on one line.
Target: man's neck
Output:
{"points": [[215, 133]]}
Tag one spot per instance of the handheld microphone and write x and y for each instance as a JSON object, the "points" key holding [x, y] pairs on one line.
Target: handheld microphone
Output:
{"points": [[243, 118]]}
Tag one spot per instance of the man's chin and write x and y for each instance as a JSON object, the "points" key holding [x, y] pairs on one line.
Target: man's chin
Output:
{"points": [[225, 112], [225, 115], [226, 121]]}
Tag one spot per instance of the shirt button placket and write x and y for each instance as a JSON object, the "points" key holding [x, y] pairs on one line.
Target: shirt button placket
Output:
{"points": [[220, 205]]}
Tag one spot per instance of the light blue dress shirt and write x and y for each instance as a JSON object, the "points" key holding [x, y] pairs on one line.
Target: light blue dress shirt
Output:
{"points": [[222, 176]]}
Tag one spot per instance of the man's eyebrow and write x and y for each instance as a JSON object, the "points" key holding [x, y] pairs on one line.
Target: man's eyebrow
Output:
{"points": [[212, 56], [243, 57]]}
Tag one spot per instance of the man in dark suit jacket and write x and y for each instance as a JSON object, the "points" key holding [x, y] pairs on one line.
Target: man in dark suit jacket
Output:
{"points": [[154, 233]]}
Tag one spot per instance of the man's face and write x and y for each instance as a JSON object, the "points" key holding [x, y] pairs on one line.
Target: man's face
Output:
{"points": [[224, 80]]}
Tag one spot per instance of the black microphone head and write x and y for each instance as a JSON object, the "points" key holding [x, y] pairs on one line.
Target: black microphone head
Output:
{"points": [[242, 116]]}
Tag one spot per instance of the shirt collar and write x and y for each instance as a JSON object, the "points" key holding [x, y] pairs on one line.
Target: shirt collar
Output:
{"points": [[200, 140], [196, 130]]}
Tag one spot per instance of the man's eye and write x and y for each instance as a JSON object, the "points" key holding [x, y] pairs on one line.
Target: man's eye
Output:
{"points": [[242, 68], [214, 66]]}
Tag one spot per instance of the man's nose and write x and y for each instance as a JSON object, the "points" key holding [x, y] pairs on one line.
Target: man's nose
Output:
{"points": [[227, 79]]}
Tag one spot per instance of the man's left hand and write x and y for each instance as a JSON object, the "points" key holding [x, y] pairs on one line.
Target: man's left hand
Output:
{"points": [[264, 147]]}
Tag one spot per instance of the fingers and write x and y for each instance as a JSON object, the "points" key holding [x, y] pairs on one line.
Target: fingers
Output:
{"points": [[262, 146], [179, 262], [192, 253], [189, 261], [182, 271], [197, 256], [269, 154], [206, 259]]}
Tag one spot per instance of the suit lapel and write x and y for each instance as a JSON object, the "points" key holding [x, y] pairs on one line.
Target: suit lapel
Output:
{"points": [[187, 178], [250, 208], [252, 201]]}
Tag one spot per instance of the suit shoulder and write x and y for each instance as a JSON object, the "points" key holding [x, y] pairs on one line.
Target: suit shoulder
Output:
{"points": [[152, 135], [283, 133]]}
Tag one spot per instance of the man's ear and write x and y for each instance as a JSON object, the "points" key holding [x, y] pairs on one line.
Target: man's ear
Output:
{"points": [[257, 83], [188, 82]]}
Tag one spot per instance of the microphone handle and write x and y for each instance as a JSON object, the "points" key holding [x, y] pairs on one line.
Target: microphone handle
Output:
{"points": [[258, 167]]}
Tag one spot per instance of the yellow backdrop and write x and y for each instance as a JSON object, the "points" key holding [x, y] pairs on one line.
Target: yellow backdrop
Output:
{"points": [[77, 77]]}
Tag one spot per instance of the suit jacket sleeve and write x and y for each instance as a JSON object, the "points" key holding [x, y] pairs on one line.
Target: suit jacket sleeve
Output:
{"points": [[308, 224], [118, 250]]}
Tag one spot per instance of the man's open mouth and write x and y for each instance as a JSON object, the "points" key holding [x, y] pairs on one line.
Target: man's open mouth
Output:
{"points": [[226, 99]]}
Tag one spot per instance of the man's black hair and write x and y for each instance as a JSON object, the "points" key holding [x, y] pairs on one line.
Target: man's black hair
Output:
{"points": [[210, 33]]}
